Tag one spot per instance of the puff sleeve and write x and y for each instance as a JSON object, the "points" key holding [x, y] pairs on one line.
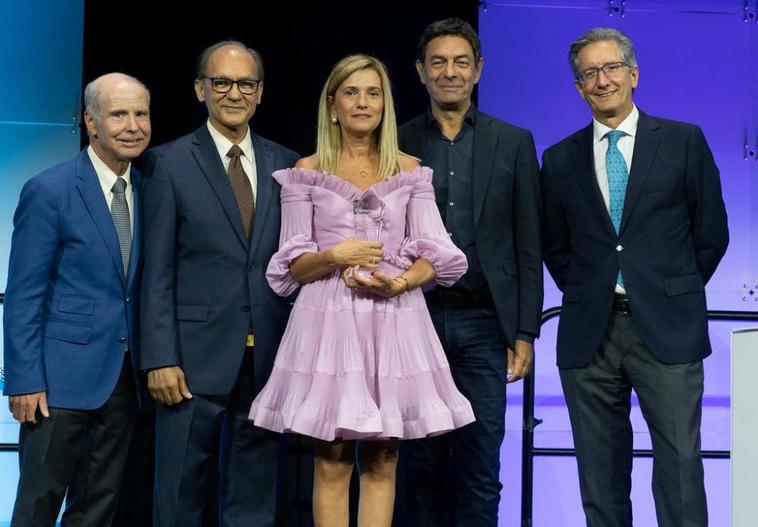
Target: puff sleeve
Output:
{"points": [[426, 236], [296, 235]]}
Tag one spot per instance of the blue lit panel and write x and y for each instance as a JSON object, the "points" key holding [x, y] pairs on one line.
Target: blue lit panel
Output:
{"points": [[9, 470], [29, 149], [41, 57], [40, 99]]}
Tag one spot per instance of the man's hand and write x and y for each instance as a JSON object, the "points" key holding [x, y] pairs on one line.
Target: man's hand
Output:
{"points": [[519, 360], [24, 407], [167, 385]]}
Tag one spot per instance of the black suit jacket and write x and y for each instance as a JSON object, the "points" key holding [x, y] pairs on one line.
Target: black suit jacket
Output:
{"points": [[506, 213], [673, 234], [204, 285]]}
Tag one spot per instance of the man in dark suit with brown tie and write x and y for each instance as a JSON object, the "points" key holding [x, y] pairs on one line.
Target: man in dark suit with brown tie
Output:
{"points": [[211, 323]]}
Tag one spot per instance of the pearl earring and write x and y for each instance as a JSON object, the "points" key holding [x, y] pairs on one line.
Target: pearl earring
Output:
{"points": [[334, 119]]}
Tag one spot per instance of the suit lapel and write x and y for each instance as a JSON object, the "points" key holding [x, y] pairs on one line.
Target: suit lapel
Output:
{"points": [[485, 146], [136, 228], [92, 195], [205, 153], [645, 147], [414, 142], [264, 167], [584, 159]]}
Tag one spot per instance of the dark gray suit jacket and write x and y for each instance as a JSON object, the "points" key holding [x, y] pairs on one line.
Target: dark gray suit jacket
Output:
{"points": [[204, 285]]}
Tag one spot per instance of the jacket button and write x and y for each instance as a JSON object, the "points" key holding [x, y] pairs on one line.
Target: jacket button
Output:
{"points": [[128, 300], [246, 308], [619, 248], [122, 340]]}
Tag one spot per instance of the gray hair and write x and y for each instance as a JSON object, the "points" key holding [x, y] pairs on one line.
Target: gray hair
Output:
{"points": [[205, 55], [600, 34], [92, 93]]}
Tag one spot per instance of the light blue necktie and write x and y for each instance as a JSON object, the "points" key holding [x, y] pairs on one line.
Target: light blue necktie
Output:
{"points": [[618, 175], [120, 213]]}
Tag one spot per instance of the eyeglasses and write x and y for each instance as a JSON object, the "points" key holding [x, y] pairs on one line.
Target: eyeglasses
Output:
{"points": [[224, 85], [612, 70]]}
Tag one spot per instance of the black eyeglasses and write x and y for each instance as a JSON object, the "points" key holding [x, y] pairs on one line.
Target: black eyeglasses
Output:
{"points": [[612, 70], [224, 85]]}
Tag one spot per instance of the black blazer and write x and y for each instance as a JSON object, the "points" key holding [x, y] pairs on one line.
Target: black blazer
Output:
{"points": [[203, 284], [673, 234], [506, 213]]}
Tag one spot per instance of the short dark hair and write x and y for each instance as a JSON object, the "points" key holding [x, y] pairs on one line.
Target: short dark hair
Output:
{"points": [[205, 55], [449, 26]]}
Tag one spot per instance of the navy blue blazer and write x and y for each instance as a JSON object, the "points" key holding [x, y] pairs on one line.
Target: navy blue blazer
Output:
{"points": [[69, 313], [204, 285], [506, 211], [673, 234]]}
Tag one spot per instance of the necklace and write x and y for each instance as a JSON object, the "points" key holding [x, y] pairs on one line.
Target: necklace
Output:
{"points": [[364, 170]]}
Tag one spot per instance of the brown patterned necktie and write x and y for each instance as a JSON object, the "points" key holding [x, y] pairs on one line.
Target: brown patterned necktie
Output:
{"points": [[243, 191]]}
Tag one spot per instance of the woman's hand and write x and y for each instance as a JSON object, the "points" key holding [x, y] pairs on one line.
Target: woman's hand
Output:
{"points": [[353, 252], [375, 283]]}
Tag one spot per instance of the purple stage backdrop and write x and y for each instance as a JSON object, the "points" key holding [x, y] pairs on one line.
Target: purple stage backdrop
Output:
{"points": [[697, 63]]}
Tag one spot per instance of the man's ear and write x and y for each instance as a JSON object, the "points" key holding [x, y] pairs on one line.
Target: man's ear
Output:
{"points": [[200, 90], [578, 87], [420, 71], [478, 70], [89, 121], [259, 93]]}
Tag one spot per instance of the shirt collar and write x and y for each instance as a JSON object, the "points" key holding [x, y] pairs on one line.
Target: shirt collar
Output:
{"points": [[105, 175], [223, 144], [628, 125], [469, 117]]}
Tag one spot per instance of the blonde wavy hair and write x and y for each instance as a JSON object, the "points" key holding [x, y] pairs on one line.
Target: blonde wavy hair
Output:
{"points": [[329, 135]]}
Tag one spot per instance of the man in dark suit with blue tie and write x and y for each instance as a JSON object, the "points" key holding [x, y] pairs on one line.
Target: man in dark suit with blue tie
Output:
{"points": [[486, 184], [211, 324], [70, 320], [634, 227]]}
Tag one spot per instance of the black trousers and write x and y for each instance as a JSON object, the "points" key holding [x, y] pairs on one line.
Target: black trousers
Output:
{"points": [[598, 397], [79, 454], [195, 433]]}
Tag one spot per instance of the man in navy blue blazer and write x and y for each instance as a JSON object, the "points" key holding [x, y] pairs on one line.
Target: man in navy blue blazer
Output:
{"points": [[70, 320], [211, 324], [634, 227]]}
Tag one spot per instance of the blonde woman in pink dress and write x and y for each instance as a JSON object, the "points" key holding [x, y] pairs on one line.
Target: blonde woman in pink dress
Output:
{"points": [[360, 360]]}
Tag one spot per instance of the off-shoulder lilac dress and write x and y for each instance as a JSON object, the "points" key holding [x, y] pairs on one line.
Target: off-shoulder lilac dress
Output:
{"points": [[353, 365]]}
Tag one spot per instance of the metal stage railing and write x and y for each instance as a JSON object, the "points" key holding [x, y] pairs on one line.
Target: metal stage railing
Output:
{"points": [[529, 452]]}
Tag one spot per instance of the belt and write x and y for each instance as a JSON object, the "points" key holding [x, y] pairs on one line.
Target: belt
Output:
{"points": [[447, 298], [621, 305]]}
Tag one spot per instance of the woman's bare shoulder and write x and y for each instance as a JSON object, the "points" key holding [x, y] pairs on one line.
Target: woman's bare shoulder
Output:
{"points": [[307, 162], [406, 162]]}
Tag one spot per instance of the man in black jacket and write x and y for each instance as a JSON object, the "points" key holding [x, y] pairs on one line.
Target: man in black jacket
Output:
{"points": [[487, 190]]}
